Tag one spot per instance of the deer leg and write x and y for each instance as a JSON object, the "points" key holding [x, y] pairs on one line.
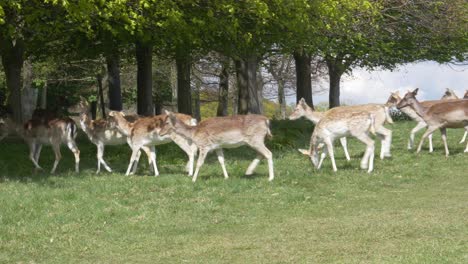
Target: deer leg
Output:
{"points": [[431, 149], [219, 153], [466, 132], [323, 155], [344, 144], [464, 136], [386, 141], [76, 152], [189, 149], [100, 158], [418, 127], [32, 150], [58, 156], [428, 132], [201, 159], [329, 145], [153, 160], [135, 151], [37, 152], [265, 152], [443, 131], [367, 161], [147, 150]]}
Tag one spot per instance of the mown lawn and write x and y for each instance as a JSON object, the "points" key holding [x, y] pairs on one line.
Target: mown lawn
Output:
{"points": [[411, 209]]}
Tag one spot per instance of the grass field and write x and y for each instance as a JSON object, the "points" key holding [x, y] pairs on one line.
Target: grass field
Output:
{"points": [[411, 209]]}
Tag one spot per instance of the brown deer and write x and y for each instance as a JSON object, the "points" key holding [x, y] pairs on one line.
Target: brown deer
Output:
{"points": [[395, 98], [346, 121], [52, 132], [144, 133], [442, 115], [224, 132]]}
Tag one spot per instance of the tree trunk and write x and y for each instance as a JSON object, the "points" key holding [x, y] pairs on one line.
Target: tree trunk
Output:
{"points": [[101, 95], [223, 96], [334, 73], [303, 78], [144, 57], [184, 91], [248, 101], [259, 83], [12, 61], [43, 103], [29, 95], [282, 98], [196, 99], [113, 80], [174, 86]]}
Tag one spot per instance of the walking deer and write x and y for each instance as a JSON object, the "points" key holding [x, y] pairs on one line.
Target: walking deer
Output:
{"points": [[103, 132], [347, 121], [54, 132], [224, 132], [145, 133], [304, 110], [441, 115], [395, 98]]}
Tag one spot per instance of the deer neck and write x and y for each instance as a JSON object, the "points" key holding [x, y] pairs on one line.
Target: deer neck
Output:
{"points": [[86, 122], [184, 130], [313, 116], [124, 126], [418, 108]]}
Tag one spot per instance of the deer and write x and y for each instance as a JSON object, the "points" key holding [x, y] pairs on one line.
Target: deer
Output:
{"points": [[145, 132], [344, 121], [381, 117], [441, 115], [54, 132], [103, 132], [465, 96], [395, 98], [304, 110], [224, 132]]}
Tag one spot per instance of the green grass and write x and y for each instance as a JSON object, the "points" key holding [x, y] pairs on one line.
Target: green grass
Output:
{"points": [[411, 209]]}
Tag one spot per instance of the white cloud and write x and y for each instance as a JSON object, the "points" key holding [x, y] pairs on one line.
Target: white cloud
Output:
{"points": [[374, 87]]}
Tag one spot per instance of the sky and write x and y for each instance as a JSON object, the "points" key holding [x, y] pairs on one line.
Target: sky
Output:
{"points": [[374, 87]]}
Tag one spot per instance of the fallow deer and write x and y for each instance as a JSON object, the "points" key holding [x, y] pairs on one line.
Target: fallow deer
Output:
{"points": [[102, 132], [441, 115], [395, 98], [54, 132], [145, 133], [347, 121], [224, 132], [303, 110]]}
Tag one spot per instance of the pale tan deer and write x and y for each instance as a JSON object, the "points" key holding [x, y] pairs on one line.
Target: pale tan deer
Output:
{"points": [[395, 98], [381, 115], [304, 110], [52, 132], [442, 115], [103, 132], [144, 133], [225, 132], [346, 121]]}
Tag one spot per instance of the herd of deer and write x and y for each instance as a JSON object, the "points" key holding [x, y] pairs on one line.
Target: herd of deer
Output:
{"points": [[144, 133]]}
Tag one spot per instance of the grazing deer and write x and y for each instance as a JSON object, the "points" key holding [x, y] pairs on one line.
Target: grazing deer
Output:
{"points": [[224, 132], [442, 115], [303, 110], [145, 133], [395, 98], [344, 121], [103, 132], [54, 132]]}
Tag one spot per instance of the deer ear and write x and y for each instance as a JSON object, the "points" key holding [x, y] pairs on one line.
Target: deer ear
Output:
{"points": [[415, 92], [166, 112], [302, 101], [172, 117]]}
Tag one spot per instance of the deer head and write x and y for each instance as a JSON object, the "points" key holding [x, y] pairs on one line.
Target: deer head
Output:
{"points": [[394, 98], [449, 94], [300, 110], [408, 99], [169, 123]]}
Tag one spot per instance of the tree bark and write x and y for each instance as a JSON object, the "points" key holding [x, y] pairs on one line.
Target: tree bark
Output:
{"points": [[259, 83], [335, 71], [144, 57], [101, 95], [184, 91], [43, 103], [248, 101], [29, 95], [12, 61], [223, 95], [196, 99], [303, 77], [282, 98], [113, 80]]}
